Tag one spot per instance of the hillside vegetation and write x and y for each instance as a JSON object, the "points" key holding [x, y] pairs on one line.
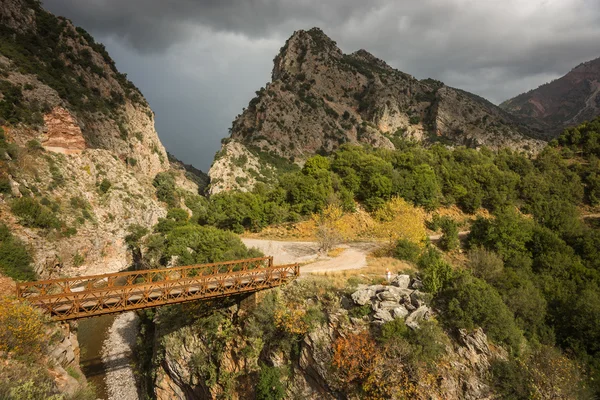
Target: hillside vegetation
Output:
{"points": [[528, 274]]}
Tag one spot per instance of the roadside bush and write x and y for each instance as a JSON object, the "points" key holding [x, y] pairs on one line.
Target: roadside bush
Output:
{"points": [[449, 240], [407, 250], [435, 272]]}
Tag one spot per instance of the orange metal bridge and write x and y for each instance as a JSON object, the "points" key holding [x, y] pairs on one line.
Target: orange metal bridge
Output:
{"points": [[87, 296]]}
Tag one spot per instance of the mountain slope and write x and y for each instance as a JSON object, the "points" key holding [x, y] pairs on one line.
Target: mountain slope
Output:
{"points": [[567, 101], [320, 98], [78, 147]]}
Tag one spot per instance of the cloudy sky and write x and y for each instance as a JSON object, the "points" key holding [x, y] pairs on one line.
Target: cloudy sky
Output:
{"points": [[198, 62]]}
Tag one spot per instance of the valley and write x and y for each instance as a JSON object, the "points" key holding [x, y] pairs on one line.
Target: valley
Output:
{"points": [[448, 247]]}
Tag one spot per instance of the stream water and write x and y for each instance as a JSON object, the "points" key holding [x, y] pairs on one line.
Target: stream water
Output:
{"points": [[91, 334]]}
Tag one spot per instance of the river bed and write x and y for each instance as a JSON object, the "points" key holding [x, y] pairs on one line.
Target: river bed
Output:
{"points": [[91, 333]]}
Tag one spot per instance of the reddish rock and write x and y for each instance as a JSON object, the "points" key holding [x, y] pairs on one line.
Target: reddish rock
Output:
{"points": [[63, 134]]}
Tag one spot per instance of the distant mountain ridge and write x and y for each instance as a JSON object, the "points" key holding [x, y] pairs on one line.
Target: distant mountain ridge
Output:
{"points": [[567, 101], [320, 98]]}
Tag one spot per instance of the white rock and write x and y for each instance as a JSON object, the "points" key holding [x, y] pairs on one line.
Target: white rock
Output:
{"points": [[399, 312], [362, 297], [401, 281]]}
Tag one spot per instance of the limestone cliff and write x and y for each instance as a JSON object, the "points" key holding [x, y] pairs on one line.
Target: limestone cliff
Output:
{"points": [[79, 139], [320, 98]]}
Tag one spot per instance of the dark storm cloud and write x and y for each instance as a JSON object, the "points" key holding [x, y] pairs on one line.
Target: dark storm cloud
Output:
{"points": [[154, 25], [199, 62]]}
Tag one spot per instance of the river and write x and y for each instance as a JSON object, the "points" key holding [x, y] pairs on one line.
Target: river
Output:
{"points": [[91, 333], [107, 344]]}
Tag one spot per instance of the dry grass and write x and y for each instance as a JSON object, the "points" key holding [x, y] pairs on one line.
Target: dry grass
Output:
{"points": [[335, 252], [375, 271], [7, 286]]}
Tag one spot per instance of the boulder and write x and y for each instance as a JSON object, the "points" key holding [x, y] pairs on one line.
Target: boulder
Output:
{"points": [[401, 281], [383, 316], [418, 298], [388, 305], [388, 295], [399, 312], [363, 296], [420, 314], [416, 284], [407, 304], [399, 291]]}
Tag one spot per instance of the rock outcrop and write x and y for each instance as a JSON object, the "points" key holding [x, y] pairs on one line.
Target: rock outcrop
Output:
{"points": [[320, 98], [398, 300], [62, 134]]}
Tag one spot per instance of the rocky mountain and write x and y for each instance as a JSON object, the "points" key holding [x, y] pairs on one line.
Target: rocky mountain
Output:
{"points": [[320, 98], [78, 147], [564, 102]]}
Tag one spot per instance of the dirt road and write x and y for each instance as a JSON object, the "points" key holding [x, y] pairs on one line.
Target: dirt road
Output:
{"points": [[353, 257]]}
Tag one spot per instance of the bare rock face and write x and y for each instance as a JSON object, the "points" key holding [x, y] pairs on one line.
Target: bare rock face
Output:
{"points": [[236, 168], [63, 135], [320, 98]]}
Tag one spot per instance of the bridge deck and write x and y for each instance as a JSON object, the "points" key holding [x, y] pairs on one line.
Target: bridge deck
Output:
{"points": [[81, 297]]}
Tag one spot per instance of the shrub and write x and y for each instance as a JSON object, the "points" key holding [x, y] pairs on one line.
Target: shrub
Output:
{"points": [[449, 240], [469, 302], [354, 357], [407, 250], [15, 260], [414, 120], [511, 379], [22, 327], [164, 182], [78, 260], [393, 329], [269, 385], [485, 264], [33, 214], [105, 185], [436, 273], [360, 311]]}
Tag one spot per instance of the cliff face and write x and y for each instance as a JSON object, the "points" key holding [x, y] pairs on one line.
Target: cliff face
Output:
{"points": [[320, 98], [80, 142], [567, 101]]}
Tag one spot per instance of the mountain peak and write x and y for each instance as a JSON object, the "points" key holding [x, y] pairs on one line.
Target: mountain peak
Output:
{"points": [[567, 101], [303, 49]]}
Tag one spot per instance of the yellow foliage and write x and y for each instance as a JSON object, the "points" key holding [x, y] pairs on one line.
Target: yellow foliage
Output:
{"points": [[397, 219], [291, 320], [22, 327]]}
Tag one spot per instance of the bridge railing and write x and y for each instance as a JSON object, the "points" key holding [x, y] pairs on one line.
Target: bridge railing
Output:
{"points": [[30, 290], [68, 306]]}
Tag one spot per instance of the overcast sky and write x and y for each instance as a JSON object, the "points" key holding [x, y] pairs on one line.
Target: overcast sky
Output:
{"points": [[198, 62]]}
